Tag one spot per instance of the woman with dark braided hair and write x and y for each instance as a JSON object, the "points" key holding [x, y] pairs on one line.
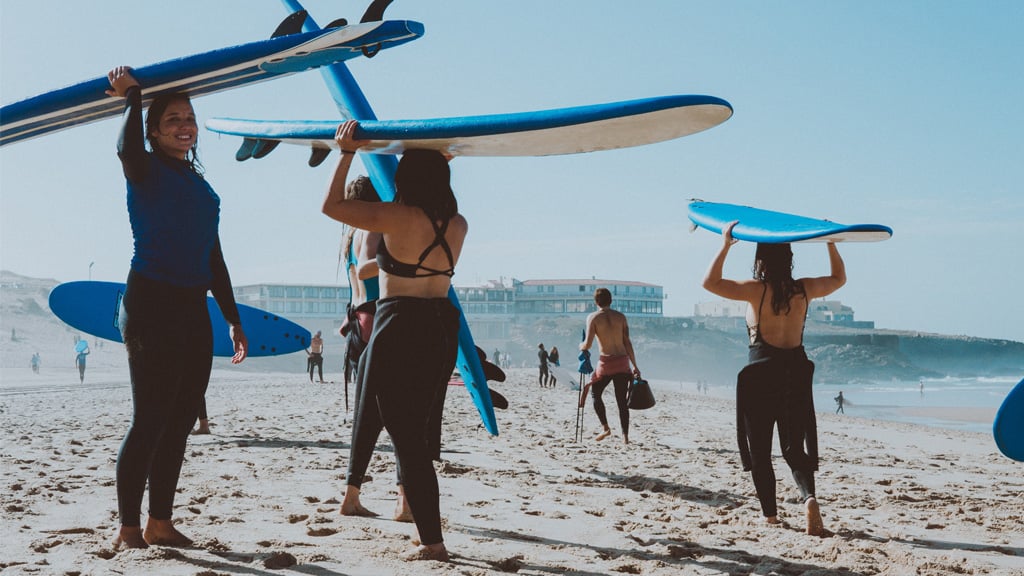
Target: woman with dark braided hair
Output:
{"points": [[775, 386]]}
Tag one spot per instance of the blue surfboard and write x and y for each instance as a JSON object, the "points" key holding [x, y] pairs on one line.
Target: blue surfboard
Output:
{"points": [[765, 226], [1008, 427], [95, 308], [541, 133], [200, 74]]}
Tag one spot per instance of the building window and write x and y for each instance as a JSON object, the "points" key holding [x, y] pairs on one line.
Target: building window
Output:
{"points": [[276, 291], [294, 291]]}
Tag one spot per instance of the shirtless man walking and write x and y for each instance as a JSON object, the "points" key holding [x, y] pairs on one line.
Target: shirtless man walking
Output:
{"points": [[316, 356], [612, 332]]}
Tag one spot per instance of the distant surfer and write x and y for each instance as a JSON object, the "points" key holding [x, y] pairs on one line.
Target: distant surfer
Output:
{"points": [[611, 329], [412, 351], [775, 387], [553, 358], [839, 403], [174, 215], [35, 362], [315, 354], [81, 351], [542, 358]]}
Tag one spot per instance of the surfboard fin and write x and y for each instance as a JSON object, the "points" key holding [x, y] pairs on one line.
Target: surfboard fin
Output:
{"points": [[337, 23], [291, 25], [245, 150], [317, 156], [264, 147], [375, 11]]}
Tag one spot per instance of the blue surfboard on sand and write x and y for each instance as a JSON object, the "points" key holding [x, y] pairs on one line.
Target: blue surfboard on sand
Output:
{"points": [[541, 133], [203, 73], [94, 308], [1008, 427], [765, 226]]}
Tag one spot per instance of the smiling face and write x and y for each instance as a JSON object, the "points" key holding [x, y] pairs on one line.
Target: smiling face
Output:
{"points": [[177, 131]]}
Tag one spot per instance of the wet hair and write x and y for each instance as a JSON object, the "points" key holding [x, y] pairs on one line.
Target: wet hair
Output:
{"points": [[359, 188], [773, 264], [156, 111], [423, 179], [603, 297]]}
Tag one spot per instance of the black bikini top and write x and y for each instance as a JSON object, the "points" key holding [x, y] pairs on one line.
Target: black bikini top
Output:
{"points": [[388, 263]]}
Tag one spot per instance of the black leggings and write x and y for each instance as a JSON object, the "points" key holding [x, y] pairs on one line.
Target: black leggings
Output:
{"points": [[621, 393], [405, 372], [775, 390], [169, 342], [366, 428]]}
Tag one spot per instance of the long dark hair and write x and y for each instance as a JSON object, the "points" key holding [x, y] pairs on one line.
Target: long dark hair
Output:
{"points": [[773, 264], [423, 179], [156, 111]]}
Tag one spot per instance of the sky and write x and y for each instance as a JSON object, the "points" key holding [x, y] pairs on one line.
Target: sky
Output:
{"points": [[901, 113]]}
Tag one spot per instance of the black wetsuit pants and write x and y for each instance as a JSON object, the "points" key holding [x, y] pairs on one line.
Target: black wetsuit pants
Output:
{"points": [[169, 342], [621, 399], [404, 373], [316, 360], [775, 389]]}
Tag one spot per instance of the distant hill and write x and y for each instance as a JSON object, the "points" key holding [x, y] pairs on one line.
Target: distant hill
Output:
{"points": [[685, 349]]}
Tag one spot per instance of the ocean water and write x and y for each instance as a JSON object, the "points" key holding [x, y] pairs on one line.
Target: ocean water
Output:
{"points": [[957, 403]]}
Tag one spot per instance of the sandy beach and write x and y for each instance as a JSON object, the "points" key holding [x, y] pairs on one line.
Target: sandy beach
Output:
{"points": [[261, 494]]}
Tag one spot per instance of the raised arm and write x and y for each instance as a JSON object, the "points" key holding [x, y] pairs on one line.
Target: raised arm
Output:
{"points": [[713, 281], [824, 285], [131, 143]]}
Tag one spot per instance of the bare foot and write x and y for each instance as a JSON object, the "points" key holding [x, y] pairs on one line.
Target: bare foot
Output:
{"points": [[431, 552], [602, 435], [204, 427], [351, 506], [402, 511], [163, 533], [129, 537], [772, 520], [815, 527]]}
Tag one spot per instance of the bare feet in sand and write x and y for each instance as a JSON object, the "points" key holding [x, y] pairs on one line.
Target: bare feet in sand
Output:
{"points": [[402, 511], [431, 552], [603, 435], [129, 537], [204, 427], [163, 533], [772, 520], [815, 527], [350, 505]]}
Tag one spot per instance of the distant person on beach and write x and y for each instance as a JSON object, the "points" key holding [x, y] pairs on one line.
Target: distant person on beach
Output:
{"points": [[81, 351], [611, 329], [35, 362], [553, 358], [542, 357], [360, 253], [839, 403], [775, 387], [315, 352], [412, 351], [174, 215]]}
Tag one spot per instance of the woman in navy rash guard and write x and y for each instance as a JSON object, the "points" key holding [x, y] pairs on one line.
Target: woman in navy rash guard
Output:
{"points": [[174, 215], [411, 353], [774, 389]]}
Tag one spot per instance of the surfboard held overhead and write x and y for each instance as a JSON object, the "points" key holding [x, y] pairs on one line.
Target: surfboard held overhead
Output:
{"points": [[541, 133], [204, 73], [768, 227]]}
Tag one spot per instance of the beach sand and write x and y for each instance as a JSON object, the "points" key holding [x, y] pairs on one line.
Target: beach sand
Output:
{"points": [[261, 495]]}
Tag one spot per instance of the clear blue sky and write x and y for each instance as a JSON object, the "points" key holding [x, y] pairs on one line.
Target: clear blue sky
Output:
{"points": [[903, 113]]}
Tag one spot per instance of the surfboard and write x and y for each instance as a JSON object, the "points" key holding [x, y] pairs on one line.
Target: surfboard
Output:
{"points": [[94, 307], [541, 133], [201, 74], [81, 346], [757, 225], [1008, 426]]}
